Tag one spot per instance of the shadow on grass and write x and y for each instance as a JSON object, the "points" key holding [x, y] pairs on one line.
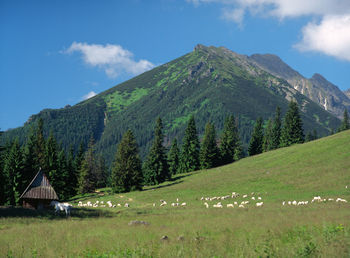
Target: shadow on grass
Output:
{"points": [[175, 180], [19, 212]]}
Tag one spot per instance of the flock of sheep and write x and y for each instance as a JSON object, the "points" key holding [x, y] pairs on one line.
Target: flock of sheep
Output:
{"points": [[101, 204], [234, 195], [247, 199], [315, 199]]}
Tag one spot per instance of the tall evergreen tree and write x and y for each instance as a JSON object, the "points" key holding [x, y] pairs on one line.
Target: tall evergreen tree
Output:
{"points": [[229, 141], [174, 158], [101, 172], [51, 162], [239, 153], [72, 182], [13, 166], [292, 130], [268, 136], [127, 171], [87, 173], [189, 158], [40, 143], [30, 166], [78, 160], [2, 176], [156, 169], [256, 141], [345, 125], [209, 152], [62, 176], [276, 129]]}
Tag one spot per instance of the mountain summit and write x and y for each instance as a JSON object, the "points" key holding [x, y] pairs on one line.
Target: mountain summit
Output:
{"points": [[209, 82]]}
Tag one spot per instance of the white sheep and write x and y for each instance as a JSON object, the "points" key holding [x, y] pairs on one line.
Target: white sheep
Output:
{"points": [[341, 200], [183, 204], [218, 205], [235, 203], [283, 203], [241, 206], [245, 196], [259, 204], [253, 198], [294, 202], [230, 205], [289, 203], [80, 203], [126, 205], [206, 205], [259, 198]]}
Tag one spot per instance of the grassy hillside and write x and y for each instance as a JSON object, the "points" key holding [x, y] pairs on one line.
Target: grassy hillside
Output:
{"points": [[299, 173]]}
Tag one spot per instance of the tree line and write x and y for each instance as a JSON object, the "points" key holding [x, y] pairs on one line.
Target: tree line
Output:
{"points": [[83, 171]]}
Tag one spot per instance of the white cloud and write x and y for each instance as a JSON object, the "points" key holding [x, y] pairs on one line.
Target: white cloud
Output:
{"points": [[330, 36], [113, 59], [89, 95]]}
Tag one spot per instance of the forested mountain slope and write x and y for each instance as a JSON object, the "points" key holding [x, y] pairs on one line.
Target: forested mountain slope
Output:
{"points": [[208, 82]]}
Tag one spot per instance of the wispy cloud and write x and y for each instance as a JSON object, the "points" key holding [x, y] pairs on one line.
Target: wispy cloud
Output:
{"points": [[113, 59], [89, 95], [330, 36]]}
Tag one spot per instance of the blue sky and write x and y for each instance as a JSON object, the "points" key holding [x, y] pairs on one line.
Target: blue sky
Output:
{"points": [[54, 53]]}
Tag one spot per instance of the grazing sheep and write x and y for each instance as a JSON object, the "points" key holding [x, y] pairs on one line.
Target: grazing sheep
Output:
{"points": [[283, 203], [80, 203], [259, 204], [341, 200], [253, 198], [183, 204], [89, 204], [230, 205], [294, 202], [241, 206], [235, 203], [289, 203], [245, 196], [206, 205], [218, 205], [126, 205], [162, 204], [259, 198], [154, 205], [119, 205], [330, 199]]}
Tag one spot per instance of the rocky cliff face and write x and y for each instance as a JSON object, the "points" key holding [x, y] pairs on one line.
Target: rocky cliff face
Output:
{"points": [[317, 88], [347, 93]]}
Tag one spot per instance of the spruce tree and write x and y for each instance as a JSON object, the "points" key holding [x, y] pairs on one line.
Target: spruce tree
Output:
{"points": [[345, 125], [30, 166], [156, 169], [189, 158], [62, 176], [13, 166], [276, 130], [72, 182], [209, 153], [51, 163], [40, 143], [268, 136], [292, 130], [239, 153], [256, 141], [101, 172], [87, 173], [126, 170], [174, 158], [229, 141]]}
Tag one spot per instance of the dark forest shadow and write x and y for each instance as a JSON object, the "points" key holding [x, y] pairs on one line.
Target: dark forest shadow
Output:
{"points": [[19, 212]]}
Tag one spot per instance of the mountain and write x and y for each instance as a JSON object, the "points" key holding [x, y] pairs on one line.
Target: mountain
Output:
{"points": [[208, 82], [317, 88], [347, 93]]}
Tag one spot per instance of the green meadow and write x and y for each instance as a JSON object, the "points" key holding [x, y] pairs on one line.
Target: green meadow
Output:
{"points": [[300, 172]]}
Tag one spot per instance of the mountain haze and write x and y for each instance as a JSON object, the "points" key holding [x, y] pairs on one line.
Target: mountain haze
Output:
{"points": [[208, 82]]}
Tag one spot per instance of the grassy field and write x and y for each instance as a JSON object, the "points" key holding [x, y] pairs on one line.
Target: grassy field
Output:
{"points": [[319, 168]]}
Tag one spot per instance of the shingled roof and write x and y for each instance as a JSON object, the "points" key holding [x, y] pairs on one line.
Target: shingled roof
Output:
{"points": [[39, 188]]}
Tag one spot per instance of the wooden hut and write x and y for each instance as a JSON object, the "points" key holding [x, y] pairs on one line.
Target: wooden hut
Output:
{"points": [[39, 193]]}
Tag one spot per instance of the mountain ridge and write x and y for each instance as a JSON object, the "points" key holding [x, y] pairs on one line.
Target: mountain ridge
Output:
{"points": [[209, 83]]}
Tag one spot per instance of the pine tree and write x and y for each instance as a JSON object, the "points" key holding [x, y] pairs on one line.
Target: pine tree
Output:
{"points": [[229, 141], [292, 130], [239, 153], [174, 158], [256, 141], [101, 172], [72, 182], [30, 166], [189, 158], [276, 129], [127, 171], [39, 147], [51, 162], [345, 125], [2, 176], [268, 136], [87, 173], [13, 166], [62, 176], [209, 153], [156, 169]]}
